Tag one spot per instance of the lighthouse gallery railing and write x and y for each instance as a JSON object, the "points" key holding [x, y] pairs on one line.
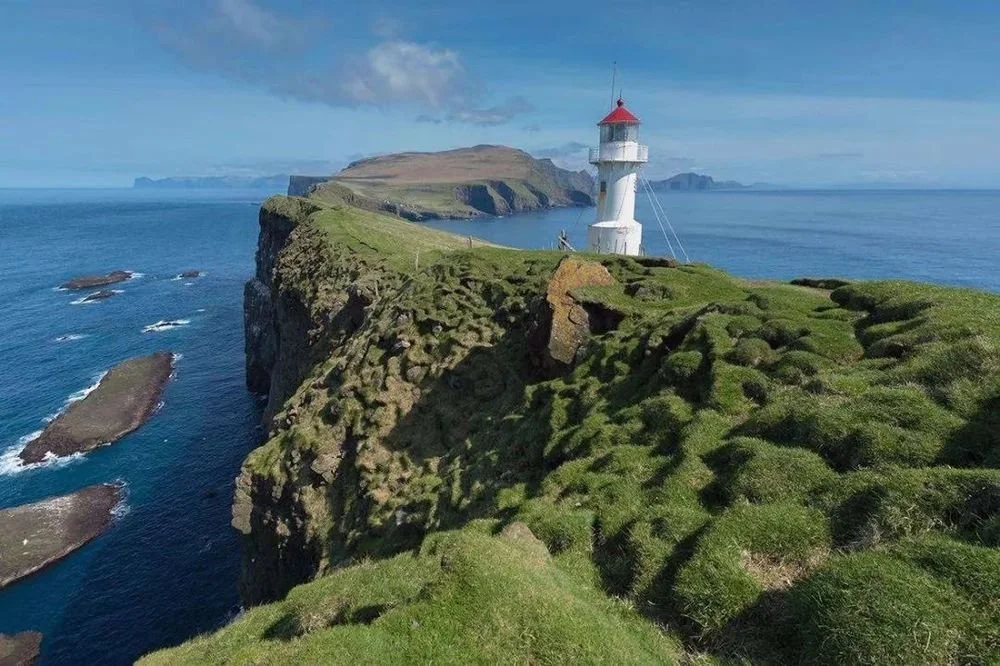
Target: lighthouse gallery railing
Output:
{"points": [[619, 152]]}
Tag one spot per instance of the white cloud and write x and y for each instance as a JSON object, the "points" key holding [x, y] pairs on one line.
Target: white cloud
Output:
{"points": [[493, 115], [253, 23], [400, 71]]}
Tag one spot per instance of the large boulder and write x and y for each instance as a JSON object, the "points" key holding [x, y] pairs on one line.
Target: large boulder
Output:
{"points": [[561, 324]]}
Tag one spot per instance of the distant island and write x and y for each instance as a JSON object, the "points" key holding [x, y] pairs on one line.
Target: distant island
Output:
{"points": [[276, 183], [459, 184], [687, 182]]}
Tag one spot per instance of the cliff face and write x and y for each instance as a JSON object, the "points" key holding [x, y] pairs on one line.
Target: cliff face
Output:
{"points": [[752, 465], [300, 186]]}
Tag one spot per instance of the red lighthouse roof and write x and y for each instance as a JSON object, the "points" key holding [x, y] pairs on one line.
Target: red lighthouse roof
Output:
{"points": [[620, 115]]}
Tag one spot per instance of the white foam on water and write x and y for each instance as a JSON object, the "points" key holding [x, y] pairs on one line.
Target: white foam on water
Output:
{"points": [[133, 275], [188, 284], [76, 396], [83, 393], [70, 337], [11, 464], [83, 301], [165, 325], [122, 509], [201, 309]]}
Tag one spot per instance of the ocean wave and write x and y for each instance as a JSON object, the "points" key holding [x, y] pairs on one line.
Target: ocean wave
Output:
{"points": [[165, 325], [11, 464], [122, 509], [77, 396], [70, 337]]}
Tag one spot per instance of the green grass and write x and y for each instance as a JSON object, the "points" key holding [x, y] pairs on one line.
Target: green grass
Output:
{"points": [[465, 597], [763, 472], [402, 245]]}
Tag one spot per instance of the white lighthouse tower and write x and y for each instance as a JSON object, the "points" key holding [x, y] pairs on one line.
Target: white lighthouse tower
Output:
{"points": [[618, 160]]}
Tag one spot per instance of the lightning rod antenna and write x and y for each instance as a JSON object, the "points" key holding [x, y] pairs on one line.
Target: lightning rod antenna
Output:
{"points": [[614, 76]]}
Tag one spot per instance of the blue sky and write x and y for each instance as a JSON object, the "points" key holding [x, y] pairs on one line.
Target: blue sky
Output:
{"points": [[799, 92]]}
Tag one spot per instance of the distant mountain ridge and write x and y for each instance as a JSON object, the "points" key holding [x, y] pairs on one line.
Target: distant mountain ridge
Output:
{"points": [[685, 182], [460, 183], [277, 182]]}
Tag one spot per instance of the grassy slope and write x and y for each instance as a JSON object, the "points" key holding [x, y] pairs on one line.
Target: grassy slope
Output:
{"points": [[465, 597], [766, 472]]}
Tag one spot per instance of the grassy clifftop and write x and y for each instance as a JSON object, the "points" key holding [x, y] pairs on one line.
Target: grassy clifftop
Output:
{"points": [[725, 470]]}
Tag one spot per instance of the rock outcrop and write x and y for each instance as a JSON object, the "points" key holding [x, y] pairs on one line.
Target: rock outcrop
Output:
{"points": [[35, 535], [123, 400], [101, 295], [91, 281], [562, 324], [21, 649]]}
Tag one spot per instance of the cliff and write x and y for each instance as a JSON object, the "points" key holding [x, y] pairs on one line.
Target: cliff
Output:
{"points": [[489, 445], [692, 181], [461, 183]]}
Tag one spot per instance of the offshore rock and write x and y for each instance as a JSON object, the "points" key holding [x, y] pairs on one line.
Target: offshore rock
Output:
{"points": [[562, 324], [124, 399], [35, 535], [101, 295], [91, 281], [20, 649]]}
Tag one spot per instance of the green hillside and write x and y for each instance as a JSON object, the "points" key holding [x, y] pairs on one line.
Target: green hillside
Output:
{"points": [[720, 471]]}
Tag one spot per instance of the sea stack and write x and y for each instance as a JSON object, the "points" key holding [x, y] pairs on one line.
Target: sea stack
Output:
{"points": [[123, 400], [35, 535], [91, 281]]}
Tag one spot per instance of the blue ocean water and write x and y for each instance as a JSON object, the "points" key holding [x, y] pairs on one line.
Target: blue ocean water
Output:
{"points": [[168, 567], [947, 237]]}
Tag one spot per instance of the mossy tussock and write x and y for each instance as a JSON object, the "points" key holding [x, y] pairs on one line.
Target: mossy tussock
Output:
{"points": [[767, 472]]}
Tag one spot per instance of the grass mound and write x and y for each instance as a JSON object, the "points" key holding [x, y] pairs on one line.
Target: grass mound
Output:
{"points": [[870, 608], [464, 597], [745, 551]]}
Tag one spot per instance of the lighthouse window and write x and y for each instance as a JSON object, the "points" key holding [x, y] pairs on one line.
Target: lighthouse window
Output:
{"points": [[604, 187]]}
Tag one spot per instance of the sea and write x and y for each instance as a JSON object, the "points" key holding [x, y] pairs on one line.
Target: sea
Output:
{"points": [[168, 567]]}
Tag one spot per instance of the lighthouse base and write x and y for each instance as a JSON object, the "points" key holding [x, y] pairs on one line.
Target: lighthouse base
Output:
{"points": [[615, 237]]}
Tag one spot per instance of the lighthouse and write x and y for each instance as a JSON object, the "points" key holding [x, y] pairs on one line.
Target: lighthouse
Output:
{"points": [[618, 159]]}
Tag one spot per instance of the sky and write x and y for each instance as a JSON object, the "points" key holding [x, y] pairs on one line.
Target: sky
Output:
{"points": [[792, 92]]}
